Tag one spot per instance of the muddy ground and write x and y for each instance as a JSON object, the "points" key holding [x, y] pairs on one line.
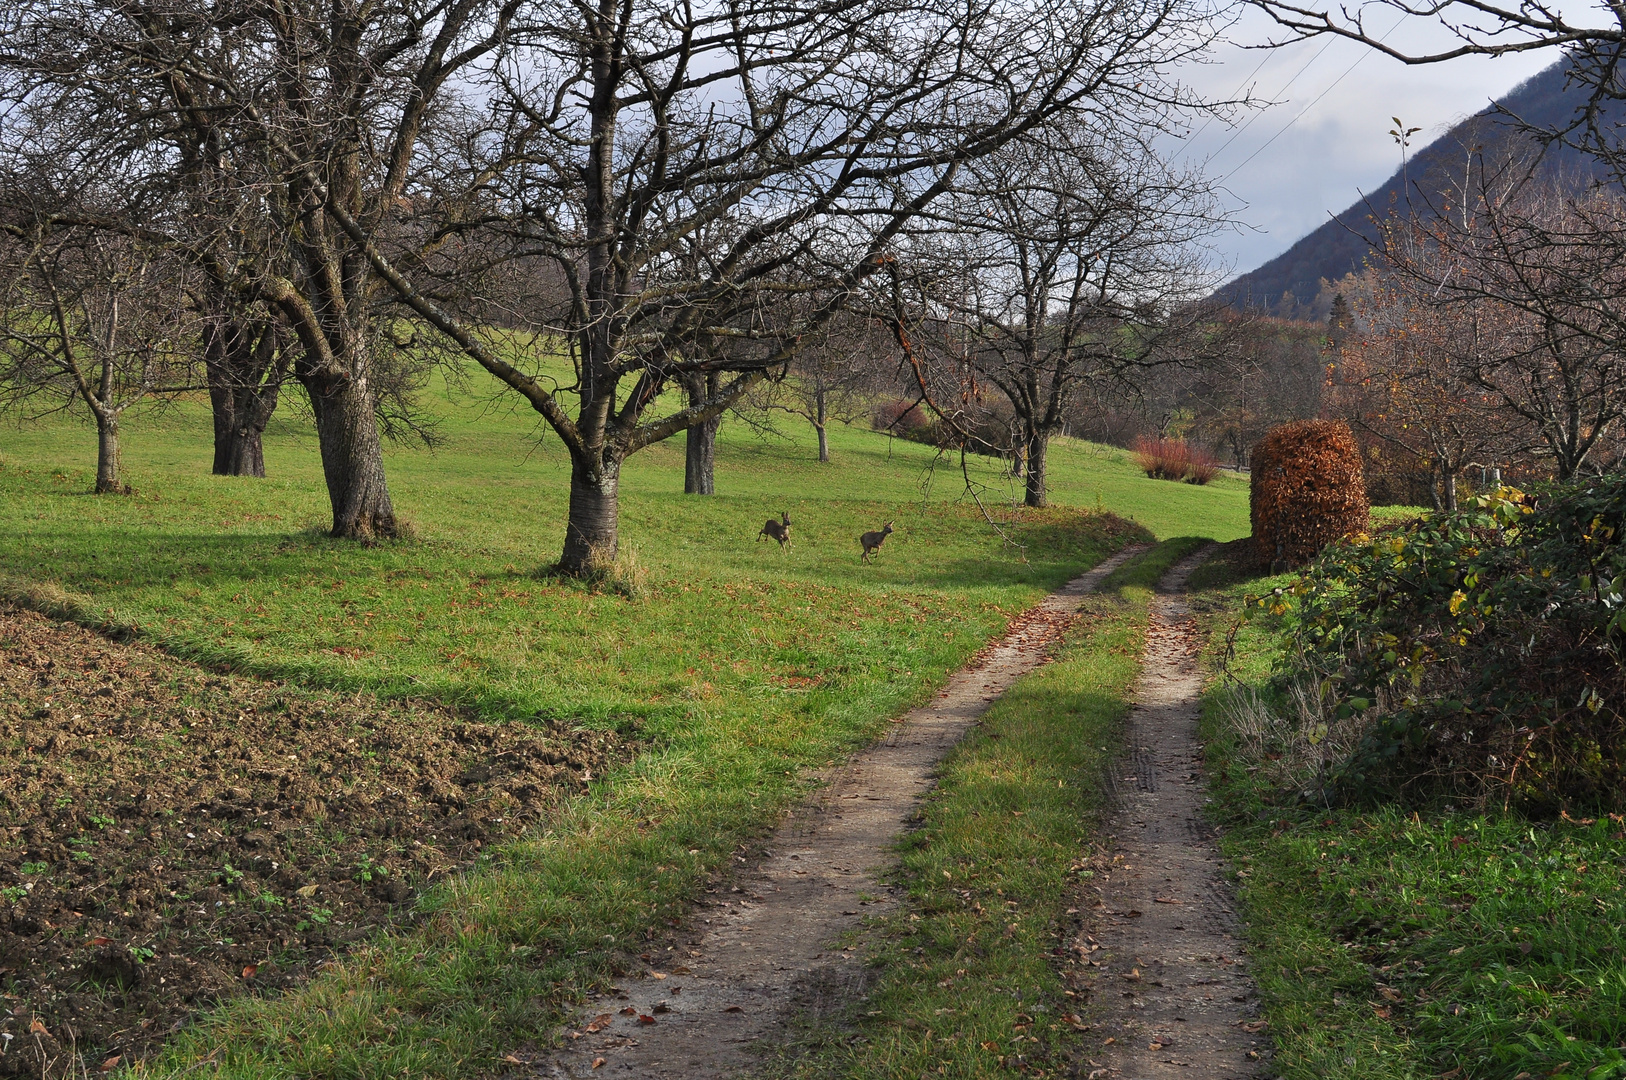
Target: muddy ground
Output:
{"points": [[170, 837]]}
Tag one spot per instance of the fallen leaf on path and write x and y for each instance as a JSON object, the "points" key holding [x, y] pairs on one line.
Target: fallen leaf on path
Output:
{"points": [[599, 1023], [307, 891], [100, 941], [1253, 1027], [629, 1011], [248, 972], [1169, 900], [1390, 993], [733, 1008], [597, 1062], [111, 1063], [1133, 975], [37, 1027], [645, 1018], [657, 974]]}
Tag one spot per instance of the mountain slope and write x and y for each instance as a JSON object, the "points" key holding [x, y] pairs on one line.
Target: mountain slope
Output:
{"points": [[1436, 174]]}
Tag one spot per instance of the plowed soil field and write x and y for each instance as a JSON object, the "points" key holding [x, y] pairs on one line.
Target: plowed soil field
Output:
{"points": [[171, 837]]}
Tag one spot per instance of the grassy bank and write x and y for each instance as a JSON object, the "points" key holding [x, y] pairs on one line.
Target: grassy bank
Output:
{"points": [[968, 981], [1414, 942]]}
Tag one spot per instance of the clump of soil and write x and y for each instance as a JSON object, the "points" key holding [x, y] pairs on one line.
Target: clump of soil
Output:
{"points": [[170, 838]]}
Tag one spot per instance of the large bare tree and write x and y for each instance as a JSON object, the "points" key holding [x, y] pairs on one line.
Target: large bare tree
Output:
{"points": [[1066, 259], [689, 168], [260, 117]]}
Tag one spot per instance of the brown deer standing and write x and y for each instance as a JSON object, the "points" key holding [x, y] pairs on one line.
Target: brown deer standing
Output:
{"points": [[872, 541], [777, 530]]}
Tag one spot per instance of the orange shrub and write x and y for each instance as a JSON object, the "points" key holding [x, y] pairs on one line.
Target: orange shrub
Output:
{"points": [[1163, 459], [1306, 490], [1202, 467]]}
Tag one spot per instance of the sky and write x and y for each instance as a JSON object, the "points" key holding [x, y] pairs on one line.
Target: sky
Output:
{"points": [[1285, 168]]}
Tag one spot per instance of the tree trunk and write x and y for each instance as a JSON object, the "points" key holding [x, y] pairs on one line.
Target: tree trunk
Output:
{"points": [[1450, 490], [1038, 452], [222, 403], [591, 531], [245, 377], [352, 458], [700, 458], [1019, 454], [107, 456], [820, 420]]}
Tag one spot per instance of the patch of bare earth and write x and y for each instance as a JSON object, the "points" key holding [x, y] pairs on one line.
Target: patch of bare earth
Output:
{"points": [[170, 838], [765, 951], [1167, 971]]}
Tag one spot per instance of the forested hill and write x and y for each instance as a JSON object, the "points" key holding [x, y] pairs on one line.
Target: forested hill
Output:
{"points": [[1436, 173]]}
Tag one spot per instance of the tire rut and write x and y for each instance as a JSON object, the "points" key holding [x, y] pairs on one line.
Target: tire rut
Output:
{"points": [[1171, 988]]}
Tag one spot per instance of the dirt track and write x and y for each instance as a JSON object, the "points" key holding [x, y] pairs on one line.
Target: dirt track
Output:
{"points": [[766, 953], [1171, 990]]}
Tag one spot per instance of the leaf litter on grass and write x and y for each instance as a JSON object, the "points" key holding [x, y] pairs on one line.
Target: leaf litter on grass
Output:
{"points": [[170, 838]]}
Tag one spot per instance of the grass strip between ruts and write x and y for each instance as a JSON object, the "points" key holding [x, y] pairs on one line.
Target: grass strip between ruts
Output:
{"points": [[965, 981], [1394, 943]]}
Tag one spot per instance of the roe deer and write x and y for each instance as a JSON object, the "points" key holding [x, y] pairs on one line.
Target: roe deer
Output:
{"points": [[872, 541], [777, 530]]}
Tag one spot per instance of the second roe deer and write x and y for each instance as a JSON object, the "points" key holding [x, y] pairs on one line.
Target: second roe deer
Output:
{"points": [[777, 530], [872, 541]]}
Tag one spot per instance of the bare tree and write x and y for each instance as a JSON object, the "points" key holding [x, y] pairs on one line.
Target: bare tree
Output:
{"points": [[90, 321], [1070, 262], [259, 117], [690, 169], [832, 377]]}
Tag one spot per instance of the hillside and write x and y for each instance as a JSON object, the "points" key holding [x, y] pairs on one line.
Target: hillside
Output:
{"points": [[1436, 174]]}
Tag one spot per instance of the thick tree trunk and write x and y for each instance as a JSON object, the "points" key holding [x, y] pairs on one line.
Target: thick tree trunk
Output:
{"points": [[592, 528], [352, 458], [244, 383], [107, 456], [1038, 453], [820, 421], [700, 458]]}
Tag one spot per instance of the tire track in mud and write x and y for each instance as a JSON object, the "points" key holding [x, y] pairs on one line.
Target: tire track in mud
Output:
{"points": [[766, 953]]}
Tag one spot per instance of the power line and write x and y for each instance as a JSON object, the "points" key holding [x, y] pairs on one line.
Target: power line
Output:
{"points": [[1282, 90], [1313, 104]]}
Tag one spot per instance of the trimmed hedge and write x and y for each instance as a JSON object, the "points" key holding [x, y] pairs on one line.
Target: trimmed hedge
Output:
{"points": [[1306, 490]]}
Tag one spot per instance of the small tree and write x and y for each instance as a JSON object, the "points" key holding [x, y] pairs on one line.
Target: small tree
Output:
{"points": [[93, 321], [1406, 378], [831, 377]]}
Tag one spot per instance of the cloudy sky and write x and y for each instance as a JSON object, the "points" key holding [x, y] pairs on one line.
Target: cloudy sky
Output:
{"points": [[1286, 167]]}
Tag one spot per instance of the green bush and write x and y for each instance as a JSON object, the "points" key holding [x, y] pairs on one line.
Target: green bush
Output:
{"points": [[1481, 650]]}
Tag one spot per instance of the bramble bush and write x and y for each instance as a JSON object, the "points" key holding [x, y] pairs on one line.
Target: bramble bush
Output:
{"points": [[1480, 650]]}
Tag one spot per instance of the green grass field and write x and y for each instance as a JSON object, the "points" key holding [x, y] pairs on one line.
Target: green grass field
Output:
{"points": [[737, 668]]}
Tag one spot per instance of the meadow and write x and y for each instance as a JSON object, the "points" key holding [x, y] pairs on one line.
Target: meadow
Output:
{"points": [[735, 669]]}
